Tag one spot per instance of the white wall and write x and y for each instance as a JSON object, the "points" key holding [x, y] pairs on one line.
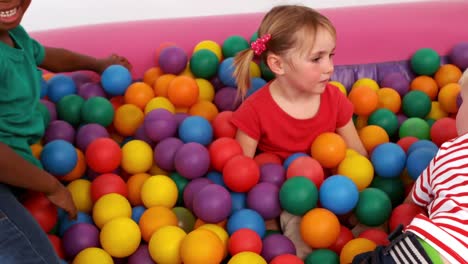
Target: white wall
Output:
{"points": [[48, 14]]}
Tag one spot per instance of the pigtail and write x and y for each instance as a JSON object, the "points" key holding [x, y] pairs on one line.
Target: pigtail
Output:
{"points": [[242, 71]]}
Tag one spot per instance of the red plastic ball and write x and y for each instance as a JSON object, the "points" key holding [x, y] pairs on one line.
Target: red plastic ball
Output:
{"points": [[222, 150], [57, 244], [443, 130], [108, 183], [244, 239], [377, 235], [345, 236], [241, 173], [42, 210], [266, 157], [103, 155], [222, 126], [308, 167], [404, 214], [405, 142], [287, 259]]}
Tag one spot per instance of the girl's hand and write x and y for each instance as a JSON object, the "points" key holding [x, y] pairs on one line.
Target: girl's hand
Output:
{"points": [[111, 60], [62, 198]]}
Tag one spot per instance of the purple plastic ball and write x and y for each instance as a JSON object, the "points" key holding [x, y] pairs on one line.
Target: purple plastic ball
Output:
{"points": [[172, 60], [90, 89], [459, 55], [216, 82], [160, 124], [397, 81], [141, 256], [192, 188], [401, 118], [78, 237], [59, 129], [81, 78], [192, 160], [225, 99], [264, 198], [180, 117], [140, 134], [212, 204], [88, 133], [51, 107], [275, 245], [273, 173], [164, 153]]}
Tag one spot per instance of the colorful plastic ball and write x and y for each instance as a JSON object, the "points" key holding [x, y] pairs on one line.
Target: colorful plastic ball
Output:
{"points": [[234, 44], [164, 153], [418, 161], [159, 190], [298, 195], [393, 187], [345, 236], [201, 246], [120, 237], [192, 160], [137, 212], [459, 55], [212, 204], [403, 214], [291, 158], [308, 167], [415, 127], [222, 126], [247, 257], [338, 194], [241, 173], [65, 223], [196, 129], [97, 110], [425, 61], [165, 243], [447, 73], [443, 130], [137, 157], [91, 89], [272, 173], [366, 82], [211, 46], [154, 218], [239, 201], [287, 259], [255, 85], [389, 160], [44, 88], [88, 133], [103, 155], [244, 240], [80, 191], [139, 94], [374, 207], [216, 178], [267, 157], [246, 218], [225, 72], [108, 183], [385, 119], [69, 109], [192, 188], [93, 255], [372, 136], [264, 198], [183, 91], [172, 59], [223, 149], [160, 124], [185, 217], [378, 236], [359, 169], [204, 64], [59, 157], [397, 81], [416, 104], [320, 228], [205, 109], [447, 97], [78, 237], [159, 102], [423, 143], [59, 129], [59, 86], [322, 256], [219, 230], [329, 149], [110, 206], [226, 99], [364, 99], [128, 118], [275, 245], [390, 99], [406, 142], [141, 256], [42, 210], [115, 80], [356, 247]]}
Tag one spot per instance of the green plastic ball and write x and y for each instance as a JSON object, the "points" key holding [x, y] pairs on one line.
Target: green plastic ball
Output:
{"points": [[385, 119], [425, 61], [416, 104], [267, 74], [374, 207], [69, 109], [322, 256], [298, 195], [204, 64], [430, 122], [415, 127], [393, 187], [233, 44], [185, 217], [97, 110], [180, 182]]}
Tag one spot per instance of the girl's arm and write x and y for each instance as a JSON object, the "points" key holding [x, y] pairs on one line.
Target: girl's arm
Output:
{"points": [[62, 60], [351, 137], [248, 144]]}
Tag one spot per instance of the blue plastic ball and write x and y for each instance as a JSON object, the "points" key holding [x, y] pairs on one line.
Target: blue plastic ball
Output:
{"points": [[196, 129], [246, 218], [44, 88], [239, 201], [66, 222], [422, 143], [59, 157], [291, 158], [116, 79], [255, 84], [339, 194], [225, 72], [60, 86], [388, 160], [418, 161], [216, 178], [137, 212]]}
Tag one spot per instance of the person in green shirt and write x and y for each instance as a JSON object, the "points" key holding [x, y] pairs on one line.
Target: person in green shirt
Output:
{"points": [[21, 124]]}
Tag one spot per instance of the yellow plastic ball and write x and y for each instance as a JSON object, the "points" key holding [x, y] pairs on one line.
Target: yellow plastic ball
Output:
{"points": [[165, 243], [187, 72], [93, 255], [340, 86], [210, 45], [351, 152], [247, 257], [201, 246], [137, 157], [355, 247], [159, 102], [206, 90], [367, 82], [110, 206], [254, 70], [159, 190], [220, 232], [359, 169], [120, 237], [81, 194], [436, 112]]}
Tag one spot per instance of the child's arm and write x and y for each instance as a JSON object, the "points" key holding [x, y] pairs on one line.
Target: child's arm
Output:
{"points": [[351, 137], [62, 60], [18, 172], [248, 144]]}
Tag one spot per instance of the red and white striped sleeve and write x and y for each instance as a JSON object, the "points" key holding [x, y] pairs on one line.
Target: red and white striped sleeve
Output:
{"points": [[422, 193]]}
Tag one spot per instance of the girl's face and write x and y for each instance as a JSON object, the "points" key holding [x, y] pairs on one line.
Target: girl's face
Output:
{"points": [[11, 13], [462, 115], [310, 71]]}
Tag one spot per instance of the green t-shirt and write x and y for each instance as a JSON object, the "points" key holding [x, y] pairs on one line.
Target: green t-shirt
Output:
{"points": [[21, 124]]}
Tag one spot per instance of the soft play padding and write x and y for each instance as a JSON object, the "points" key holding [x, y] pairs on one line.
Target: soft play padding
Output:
{"points": [[369, 34]]}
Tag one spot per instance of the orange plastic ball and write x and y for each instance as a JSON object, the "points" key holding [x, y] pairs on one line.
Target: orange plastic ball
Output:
{"points": [[161, 85], [204, 109], [134, 184], [127, 119], [355, 247], [329, 149], [79, 169], [389, 98], [320, 228], [372, 136], [425, 84], [364, 99], [183, 91], [448, 97], [151, 75], [446, 74], [139, 94], [154, 218]]}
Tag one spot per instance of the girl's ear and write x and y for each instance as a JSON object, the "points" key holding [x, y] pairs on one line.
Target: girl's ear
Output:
{"points": [[275, 63]]}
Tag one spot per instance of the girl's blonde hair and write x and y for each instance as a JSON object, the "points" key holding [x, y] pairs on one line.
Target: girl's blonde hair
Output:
{"points": [[286, 24]]}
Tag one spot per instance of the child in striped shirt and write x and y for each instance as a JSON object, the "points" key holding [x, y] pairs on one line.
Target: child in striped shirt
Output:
{"points": [[442, 188]]}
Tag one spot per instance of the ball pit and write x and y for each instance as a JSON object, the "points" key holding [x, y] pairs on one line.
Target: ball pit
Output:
{"points": [[181, 190]]}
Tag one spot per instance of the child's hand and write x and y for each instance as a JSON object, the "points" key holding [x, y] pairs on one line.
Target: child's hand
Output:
{"points": [[111, 60], [62, 198]]}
